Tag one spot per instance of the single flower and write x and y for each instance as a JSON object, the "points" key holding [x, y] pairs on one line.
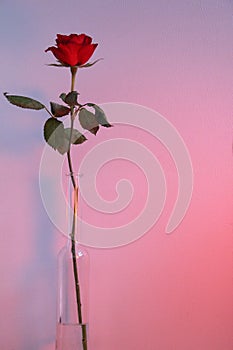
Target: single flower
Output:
{"points": [[73, 49]]}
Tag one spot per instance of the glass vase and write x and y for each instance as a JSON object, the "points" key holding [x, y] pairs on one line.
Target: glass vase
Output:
{"points": [[73, 286]]}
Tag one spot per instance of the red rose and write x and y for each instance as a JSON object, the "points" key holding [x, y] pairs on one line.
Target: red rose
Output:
{"points": [[73, 49]]}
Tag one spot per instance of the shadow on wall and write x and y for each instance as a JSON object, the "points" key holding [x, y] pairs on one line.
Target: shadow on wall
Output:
{"points": [[37, 283]]}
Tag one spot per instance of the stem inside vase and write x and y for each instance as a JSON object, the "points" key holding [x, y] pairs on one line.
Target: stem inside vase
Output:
{"points": [[73, 285], [75, 267]]}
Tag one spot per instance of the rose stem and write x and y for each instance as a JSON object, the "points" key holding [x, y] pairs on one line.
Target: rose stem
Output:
{"points": [[75, 207]]}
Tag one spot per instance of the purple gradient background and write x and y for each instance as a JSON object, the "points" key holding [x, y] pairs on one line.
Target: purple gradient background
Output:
{"points": [[163, 291]]}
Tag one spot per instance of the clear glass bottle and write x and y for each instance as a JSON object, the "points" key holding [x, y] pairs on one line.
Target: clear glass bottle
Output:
{"points": [[73, 287]]}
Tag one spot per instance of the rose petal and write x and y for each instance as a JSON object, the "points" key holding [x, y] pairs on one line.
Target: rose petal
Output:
{"points": [[85, 53], [69, 53], [62, 39], [87, 40], [73, 49], [63, 55], [77, 38]]}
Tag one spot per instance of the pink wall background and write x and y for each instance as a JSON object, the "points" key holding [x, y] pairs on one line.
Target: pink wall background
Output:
{"points": [[163, 291]]}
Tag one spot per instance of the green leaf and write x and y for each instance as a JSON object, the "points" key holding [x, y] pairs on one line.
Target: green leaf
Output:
{"points": [[57, 65], [54, 134], [90, 64], [77, 137], [54, 65], [24, 102], [63, 96], [72, 98], [88, 121], [59, 111], [100, 115]]}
